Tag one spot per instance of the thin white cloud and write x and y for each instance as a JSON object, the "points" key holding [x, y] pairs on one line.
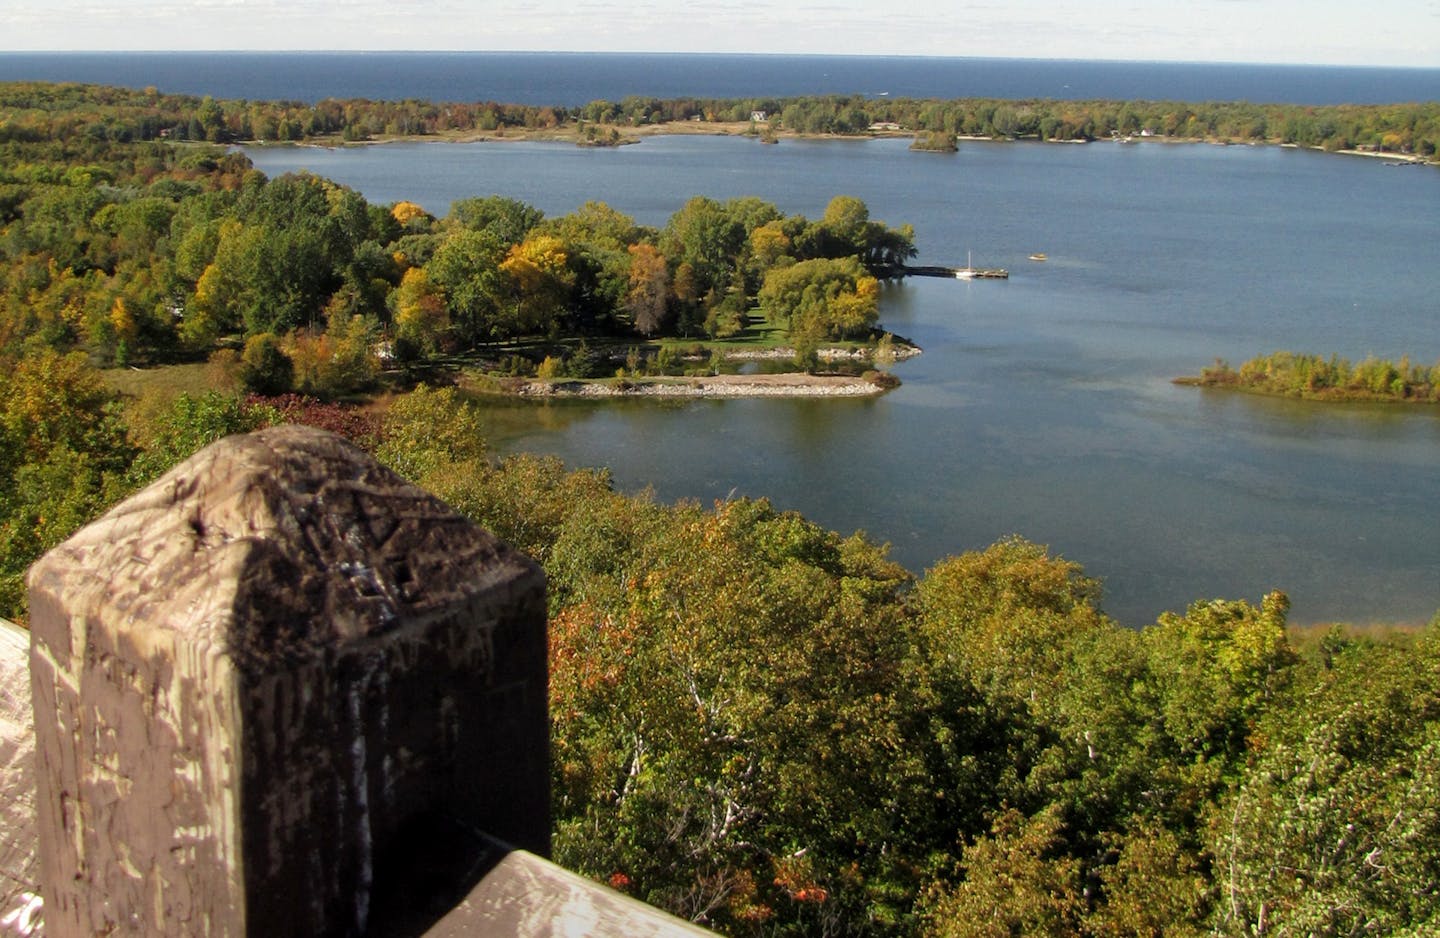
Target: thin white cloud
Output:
{"points": [[1405, 32]]}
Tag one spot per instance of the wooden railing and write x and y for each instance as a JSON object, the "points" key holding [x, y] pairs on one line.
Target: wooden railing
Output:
{"points": [[284, 692]]}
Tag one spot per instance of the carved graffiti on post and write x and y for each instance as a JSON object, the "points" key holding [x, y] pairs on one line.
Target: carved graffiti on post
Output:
{"points": [[20, 907], [253, 677]]}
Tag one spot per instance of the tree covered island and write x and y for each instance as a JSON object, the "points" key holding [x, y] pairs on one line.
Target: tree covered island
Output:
{"points": [[1313, 377]]}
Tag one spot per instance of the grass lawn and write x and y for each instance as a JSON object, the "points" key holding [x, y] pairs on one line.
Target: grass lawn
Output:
{"points": [[163, 380]]}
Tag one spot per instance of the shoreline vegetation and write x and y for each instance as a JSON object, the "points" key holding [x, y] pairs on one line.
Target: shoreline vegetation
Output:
{"points": [[922, 141], [1404, 133], [700, 370], [1333, 379]]}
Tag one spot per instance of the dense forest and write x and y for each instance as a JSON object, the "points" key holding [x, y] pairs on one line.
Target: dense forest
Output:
{"points": [[757, 724]]}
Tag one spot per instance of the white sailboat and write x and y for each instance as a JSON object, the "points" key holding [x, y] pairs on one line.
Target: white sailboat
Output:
{"points": [[968, 271]]}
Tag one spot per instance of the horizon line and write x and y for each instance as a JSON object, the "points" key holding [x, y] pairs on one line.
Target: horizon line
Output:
{"points": [[814, 55]]}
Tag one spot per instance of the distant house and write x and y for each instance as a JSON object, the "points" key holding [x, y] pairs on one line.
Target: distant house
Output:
{"points": [[884, 127], [759, 117]]}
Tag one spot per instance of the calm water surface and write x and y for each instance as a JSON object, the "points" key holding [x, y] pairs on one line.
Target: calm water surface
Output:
{"points": [[1043, 405], [576, 78]]}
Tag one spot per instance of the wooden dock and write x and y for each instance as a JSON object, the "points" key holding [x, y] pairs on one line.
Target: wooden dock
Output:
{"points": [[959, 273]]}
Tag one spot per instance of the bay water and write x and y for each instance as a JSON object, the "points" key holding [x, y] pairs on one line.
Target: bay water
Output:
{"points": [[1043, 405]]}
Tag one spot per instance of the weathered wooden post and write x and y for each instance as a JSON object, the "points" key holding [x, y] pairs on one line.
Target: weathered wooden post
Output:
{"points": [[261, 676]]}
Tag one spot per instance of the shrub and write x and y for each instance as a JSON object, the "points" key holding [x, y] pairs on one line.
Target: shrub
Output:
{"points": [[264, 366]]}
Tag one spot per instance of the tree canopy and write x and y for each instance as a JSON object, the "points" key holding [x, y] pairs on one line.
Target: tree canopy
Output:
{"points": [[771, 728], [145, 253]]}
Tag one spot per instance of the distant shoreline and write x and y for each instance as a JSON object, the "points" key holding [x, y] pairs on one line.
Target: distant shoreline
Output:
{"points": [[627, 135]]}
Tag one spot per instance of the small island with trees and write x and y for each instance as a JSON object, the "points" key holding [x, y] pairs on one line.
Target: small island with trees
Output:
{"points": [[1312, 377]]}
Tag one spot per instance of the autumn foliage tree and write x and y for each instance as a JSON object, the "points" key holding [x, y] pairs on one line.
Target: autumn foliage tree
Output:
{"points": [[540, 282], [649, 293], [421, 319], [63, 455]]}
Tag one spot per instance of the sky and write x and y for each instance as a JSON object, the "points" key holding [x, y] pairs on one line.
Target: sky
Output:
{"points": [[1323, 32]]}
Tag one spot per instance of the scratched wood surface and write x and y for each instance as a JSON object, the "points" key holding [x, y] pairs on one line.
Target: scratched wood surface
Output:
{"points": [[19, 870]]}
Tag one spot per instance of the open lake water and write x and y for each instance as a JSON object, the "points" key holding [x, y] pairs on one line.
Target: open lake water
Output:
{"points": [[575, 78], [1043, 404]]}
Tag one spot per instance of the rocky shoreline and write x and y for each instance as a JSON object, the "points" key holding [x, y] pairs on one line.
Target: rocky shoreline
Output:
{"points": [[721, 386], [859, 354]]}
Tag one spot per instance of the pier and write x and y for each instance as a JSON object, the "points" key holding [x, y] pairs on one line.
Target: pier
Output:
{"points": [[959, 273]]}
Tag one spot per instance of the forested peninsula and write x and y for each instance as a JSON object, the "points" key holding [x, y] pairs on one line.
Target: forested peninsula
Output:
{"points": [[154, 252], [758, 724]]}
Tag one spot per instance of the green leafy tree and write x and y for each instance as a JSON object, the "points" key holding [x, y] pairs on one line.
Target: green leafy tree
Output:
{"points": [[466, 267], [598, 239], [195, 248], [264, 366], [1214, 672], [509, 220], [1335, 830], [1156, 888], [1015, 884], [705, 236], [184, 426], [430, 430], [137, 226], [845, 221], [822, 298], [750, 212], [282, 257], [749, 781]]}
